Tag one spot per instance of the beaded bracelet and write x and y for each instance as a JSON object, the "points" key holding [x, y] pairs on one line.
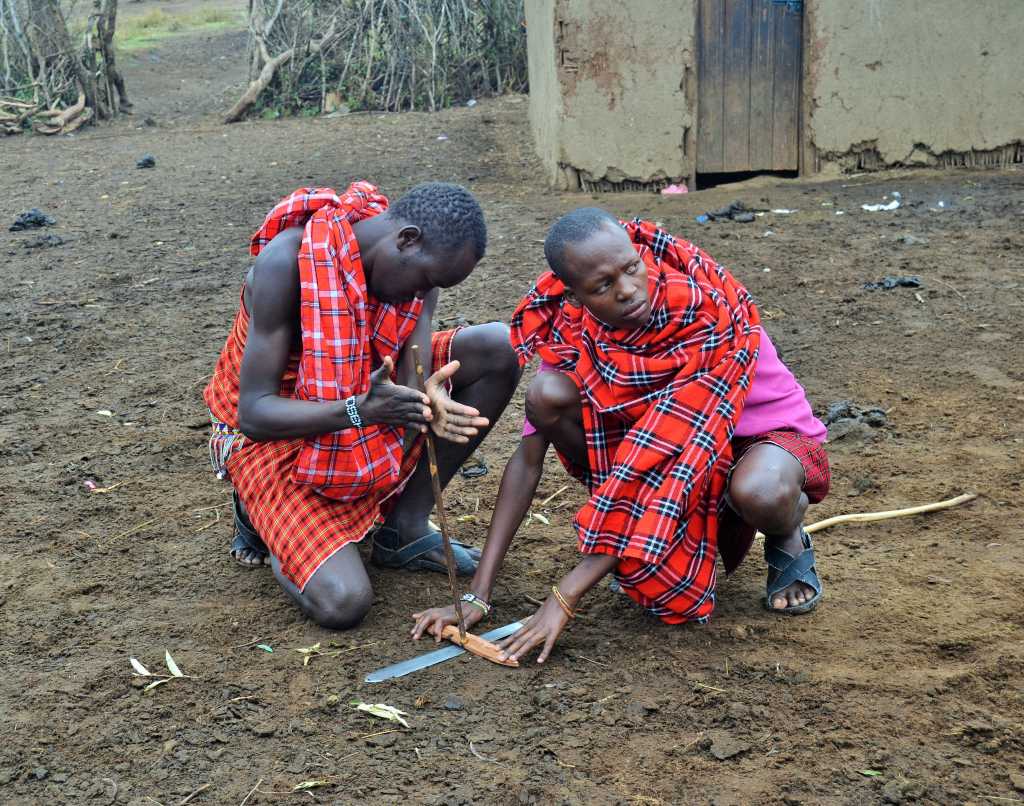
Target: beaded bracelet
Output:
{"points": [[473, 599]]}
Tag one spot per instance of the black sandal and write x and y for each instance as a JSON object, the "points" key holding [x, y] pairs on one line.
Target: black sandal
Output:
{"points": [[246, 539]]}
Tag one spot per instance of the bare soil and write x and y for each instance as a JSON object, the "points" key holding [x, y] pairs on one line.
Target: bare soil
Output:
{"points": [[906, 685]]}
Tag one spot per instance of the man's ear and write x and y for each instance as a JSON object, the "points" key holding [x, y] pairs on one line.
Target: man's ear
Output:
{"points": [[571, 298], [409, 235]]}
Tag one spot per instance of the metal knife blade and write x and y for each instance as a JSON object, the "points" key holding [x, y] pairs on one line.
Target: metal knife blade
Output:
{"points": [[430, 658]]}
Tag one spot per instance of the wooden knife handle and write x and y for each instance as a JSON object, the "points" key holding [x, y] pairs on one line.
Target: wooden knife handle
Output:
{"points": [[477, 646]]}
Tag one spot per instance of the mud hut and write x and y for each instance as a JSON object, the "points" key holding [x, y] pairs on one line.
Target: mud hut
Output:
{"points": [[632, 96]]}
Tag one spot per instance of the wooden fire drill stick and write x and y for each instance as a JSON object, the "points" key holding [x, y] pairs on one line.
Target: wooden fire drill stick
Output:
{"points": [[435, 482]]}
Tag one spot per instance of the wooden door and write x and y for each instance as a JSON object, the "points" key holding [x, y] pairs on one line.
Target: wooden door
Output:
{"points": [[748, 85]]}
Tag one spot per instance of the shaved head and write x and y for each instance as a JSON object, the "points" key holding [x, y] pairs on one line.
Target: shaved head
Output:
{"points": [[573, 228]]}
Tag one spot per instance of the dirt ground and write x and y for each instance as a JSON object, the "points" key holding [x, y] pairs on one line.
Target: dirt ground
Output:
{"points": [[906, 685]]}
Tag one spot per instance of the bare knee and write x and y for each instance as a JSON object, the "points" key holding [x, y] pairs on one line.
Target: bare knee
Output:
{"points": [[339, 606], [767, 499], [551, 396], [485, 351], [495, 342]]}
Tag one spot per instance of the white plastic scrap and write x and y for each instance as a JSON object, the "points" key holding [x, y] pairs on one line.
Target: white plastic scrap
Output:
{"points": [[877, 208]]}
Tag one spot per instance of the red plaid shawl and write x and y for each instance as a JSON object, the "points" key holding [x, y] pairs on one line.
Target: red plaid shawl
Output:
{"points": [[345, 334], [659, 403]]}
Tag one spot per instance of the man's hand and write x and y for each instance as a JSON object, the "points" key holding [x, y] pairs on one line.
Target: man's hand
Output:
{"points": [[437, 618], [388, 403], [544, 628], [451, 420]]}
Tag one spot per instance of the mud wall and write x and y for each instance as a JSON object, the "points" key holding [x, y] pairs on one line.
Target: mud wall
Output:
{"points": [[914, 82], [608, 89]]}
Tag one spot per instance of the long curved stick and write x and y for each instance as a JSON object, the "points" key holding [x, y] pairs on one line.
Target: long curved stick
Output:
{"points": [[868, 517]]}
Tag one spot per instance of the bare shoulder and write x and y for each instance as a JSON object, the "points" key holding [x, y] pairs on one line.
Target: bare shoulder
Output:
{"points": [[274, 277]]}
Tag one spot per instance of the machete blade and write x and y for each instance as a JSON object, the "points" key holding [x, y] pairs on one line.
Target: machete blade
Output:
{"points": [[438, 656]]}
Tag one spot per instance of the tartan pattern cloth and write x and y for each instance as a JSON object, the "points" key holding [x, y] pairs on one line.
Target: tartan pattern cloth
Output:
{"points": [[300, 527], [665, 588], [659, 403], [345, 334]]}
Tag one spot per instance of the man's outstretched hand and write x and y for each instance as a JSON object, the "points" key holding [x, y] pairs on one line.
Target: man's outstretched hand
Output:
{"points": [[434, 620], [389, 403], [451, 420], [542, 629]]}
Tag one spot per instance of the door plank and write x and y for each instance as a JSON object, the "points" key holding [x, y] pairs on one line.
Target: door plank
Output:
{"points": [[736, 85], [762, 85], [786, 117], [710, 141]]}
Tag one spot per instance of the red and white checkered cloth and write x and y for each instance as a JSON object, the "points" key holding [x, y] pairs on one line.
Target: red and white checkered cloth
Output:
{"points": [[660, 405]]}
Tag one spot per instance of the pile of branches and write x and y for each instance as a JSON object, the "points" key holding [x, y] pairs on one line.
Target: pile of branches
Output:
{"points": [[391, 55], [51, 81]]}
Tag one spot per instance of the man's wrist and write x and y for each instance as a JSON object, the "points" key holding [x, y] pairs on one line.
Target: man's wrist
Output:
{"points": [[350, 411]]}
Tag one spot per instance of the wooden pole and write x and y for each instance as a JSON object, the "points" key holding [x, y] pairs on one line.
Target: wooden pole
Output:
{"points": [[435, 481]]}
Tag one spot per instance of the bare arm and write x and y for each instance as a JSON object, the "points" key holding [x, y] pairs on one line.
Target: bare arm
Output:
{"points": [[550, 619], [515, 494], [406, 367], [273, 330]]}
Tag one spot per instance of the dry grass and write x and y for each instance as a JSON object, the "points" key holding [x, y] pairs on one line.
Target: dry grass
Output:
{"points": [[144, 30]]}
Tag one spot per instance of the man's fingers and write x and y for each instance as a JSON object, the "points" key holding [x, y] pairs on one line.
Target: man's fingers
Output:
{"points": [[460, 428], [454, 408], [462, 419], [524, 644], [406, 393], [548, 646], [443, 374], [383, 373]]}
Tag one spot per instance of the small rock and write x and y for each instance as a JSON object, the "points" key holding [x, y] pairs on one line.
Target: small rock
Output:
{"points": [[1017, 781], [170, 744], [892, 792], [384, 740], [454, 703], [40, 773], [147, 161], [979, 727], [32, 219], [59, 778], [44, 241], [739, 632], [214, 755], [265, 730], [911, 240], [725, 745]]}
